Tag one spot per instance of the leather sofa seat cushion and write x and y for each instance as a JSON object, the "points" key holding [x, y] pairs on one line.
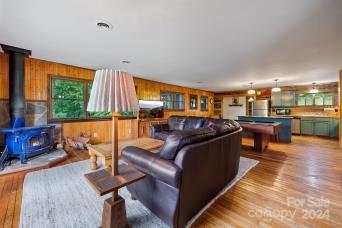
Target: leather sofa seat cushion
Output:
{"points": [[193, 122], [162, 135], [176, 122], [178, 139]]}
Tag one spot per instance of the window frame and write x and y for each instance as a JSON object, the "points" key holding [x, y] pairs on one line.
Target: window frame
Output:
{"points": [[173, 101], [195, 97], [207, 101], [86, 117]]}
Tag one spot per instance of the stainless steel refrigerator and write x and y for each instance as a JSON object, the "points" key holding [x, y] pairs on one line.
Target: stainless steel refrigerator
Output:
{"points": [[260, 108]]}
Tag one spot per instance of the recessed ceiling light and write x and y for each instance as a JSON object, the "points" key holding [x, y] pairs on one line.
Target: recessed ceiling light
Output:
{"points": [[104, 25], [125, 62]]}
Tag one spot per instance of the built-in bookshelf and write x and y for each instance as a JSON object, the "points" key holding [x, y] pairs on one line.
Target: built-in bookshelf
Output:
{"points": [[218, 106]]}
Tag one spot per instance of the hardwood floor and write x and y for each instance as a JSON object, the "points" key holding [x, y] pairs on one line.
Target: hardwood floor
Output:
{"points": [[287, 173]]}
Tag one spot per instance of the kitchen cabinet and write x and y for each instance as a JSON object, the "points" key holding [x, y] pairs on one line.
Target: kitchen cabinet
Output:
{"points": [[307, 127], [320, 126], [328, 99], [283, 99], [334, 128], [291, 98], [288, 98], [319, 99], [276, 99]]}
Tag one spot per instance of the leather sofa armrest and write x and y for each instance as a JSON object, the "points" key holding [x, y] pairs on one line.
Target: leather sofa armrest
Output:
{"points": [[151, 164], [158, 128]]}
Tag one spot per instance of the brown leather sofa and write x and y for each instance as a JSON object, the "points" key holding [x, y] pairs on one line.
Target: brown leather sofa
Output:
{"points": [[194, 165], [176, 123]]}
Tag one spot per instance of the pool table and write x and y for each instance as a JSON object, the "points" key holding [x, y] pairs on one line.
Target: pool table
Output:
{"points": [[262, 132]]}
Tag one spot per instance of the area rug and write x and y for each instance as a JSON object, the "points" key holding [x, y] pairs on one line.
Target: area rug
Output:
{"points": [[61, 197], [35, 162]]}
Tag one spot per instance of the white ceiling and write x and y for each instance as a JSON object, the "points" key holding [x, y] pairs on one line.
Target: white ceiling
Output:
{"points": [[223, 43]]}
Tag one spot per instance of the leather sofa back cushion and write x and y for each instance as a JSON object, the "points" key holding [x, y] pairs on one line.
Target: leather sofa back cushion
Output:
{"points": [[222, 129], [192, 122], [176, 122], [178, 139]]}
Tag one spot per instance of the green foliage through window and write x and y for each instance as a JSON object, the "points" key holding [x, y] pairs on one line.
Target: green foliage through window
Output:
{"points": [[69, 99]]}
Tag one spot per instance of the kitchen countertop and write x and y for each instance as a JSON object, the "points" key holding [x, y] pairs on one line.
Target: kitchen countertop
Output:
{"points": [[274, 117], [299, 116], [293, 116]]}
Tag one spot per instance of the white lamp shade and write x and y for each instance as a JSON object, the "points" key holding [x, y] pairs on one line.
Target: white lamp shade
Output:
{"points": [[113, 91], [251, 92], [276, 89]]}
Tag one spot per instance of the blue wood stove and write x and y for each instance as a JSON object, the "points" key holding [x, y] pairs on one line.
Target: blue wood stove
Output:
{"points": [[26, 142], [22, 142]]}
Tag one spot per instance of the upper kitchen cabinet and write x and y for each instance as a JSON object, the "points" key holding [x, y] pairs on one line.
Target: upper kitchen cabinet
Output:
{"points": [[328, 99], [288, 98], [293, 98], [319, 99], [283, 99], [276, 99]]}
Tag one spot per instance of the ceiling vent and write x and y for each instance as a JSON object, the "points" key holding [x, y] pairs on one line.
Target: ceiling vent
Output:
{"points": [[104, 25]]}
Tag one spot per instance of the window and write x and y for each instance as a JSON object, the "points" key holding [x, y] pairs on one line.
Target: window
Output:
{"points": [[193, 101], [204, 103], [69, 99], [172, 100]]}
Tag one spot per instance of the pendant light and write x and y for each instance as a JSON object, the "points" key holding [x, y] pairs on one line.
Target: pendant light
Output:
{"points": [[276, 89], [251, 91], [250, 99], [314, 89]]}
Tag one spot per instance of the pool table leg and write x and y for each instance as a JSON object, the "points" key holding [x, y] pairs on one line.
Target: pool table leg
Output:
{"points": [[260, 142]]}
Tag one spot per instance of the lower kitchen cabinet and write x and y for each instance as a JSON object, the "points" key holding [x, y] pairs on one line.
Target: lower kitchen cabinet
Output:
{"points": [[307, 127], [322, 128], [319, 126], [334, 129]]}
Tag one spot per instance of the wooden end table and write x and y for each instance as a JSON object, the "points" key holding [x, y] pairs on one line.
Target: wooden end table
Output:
{"points": [[104, 182], [104, 151]]}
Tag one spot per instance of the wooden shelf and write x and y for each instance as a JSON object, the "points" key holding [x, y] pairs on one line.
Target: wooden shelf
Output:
{"points": [[104, 182], [236, 105]]}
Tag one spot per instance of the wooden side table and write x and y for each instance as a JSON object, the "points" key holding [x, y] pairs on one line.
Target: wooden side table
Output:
{"points": [[104, 182]]}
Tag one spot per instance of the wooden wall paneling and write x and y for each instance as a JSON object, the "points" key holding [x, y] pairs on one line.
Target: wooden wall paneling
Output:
{"points": [[37, 83], [150, 90], [128, 129], [340, 103], [36, 76], [4, 92]]}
